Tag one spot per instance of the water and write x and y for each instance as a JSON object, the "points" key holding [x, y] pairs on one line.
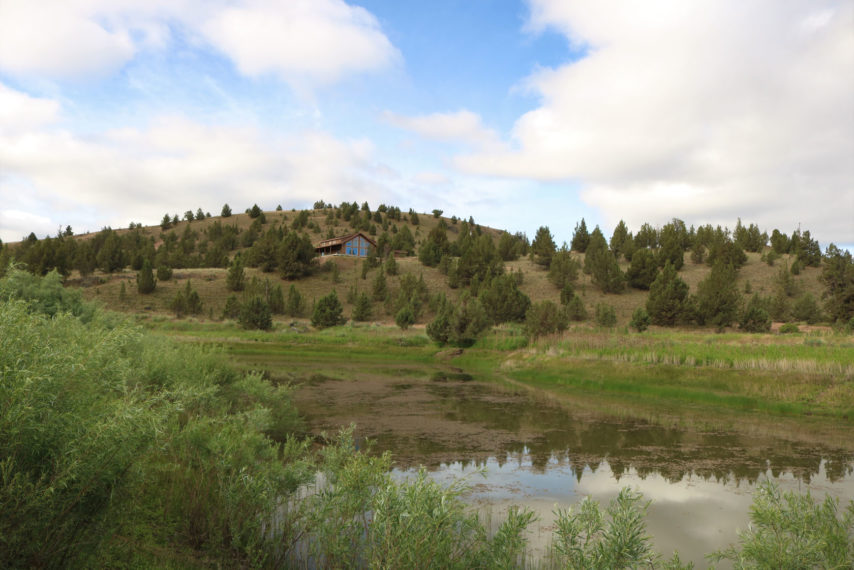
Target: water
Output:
{"points": [[517, 447]]}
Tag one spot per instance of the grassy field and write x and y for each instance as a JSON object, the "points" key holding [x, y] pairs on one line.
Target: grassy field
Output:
{"points": [[796, 375]]}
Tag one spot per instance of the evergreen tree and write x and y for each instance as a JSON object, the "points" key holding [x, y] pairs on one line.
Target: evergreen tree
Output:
{"points": [[235, 280], [503, 300], [254, 211], [718, 299], [643, 270], [276, 299], [575, 310], [390, 265], [296, 256], [602, 265], [606, 316], [806, 309], [226, 211], [755, 317], [647, 236], [620, 239], [296, 305], [545, 318], [145, 281], [379, 289], [362, 308], [327, 312], [837, 275], [640, 320], [563, 270], [405, 317], [667, 297], [256, 314], [543, 247], [164, 272], [232, 307], [123, 294], [670, 246], [166, 222], [434, 247], [580, 237]]}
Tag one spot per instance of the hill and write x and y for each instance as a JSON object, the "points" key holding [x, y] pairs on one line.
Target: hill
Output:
{"points": [[200, 250]]}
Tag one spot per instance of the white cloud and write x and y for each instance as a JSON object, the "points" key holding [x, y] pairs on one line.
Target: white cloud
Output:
{"points": [[460, 126], [19, 112], [59, 39], [305, 42], [704, 110], [173, 165]]}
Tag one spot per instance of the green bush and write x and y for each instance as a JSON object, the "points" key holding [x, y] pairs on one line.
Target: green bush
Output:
{"points": [[788, 328], [789, 530]]}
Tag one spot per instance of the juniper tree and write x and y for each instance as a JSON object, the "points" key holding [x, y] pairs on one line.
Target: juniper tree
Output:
{"points": [[503, 300], [643, 269], [601, 264], [718, 299], [145, 281], [543, 247], [580, 237], [667, 297], [295, 306], [362, 308], [226, 211], [327, 311], [235, 280], [837, 275], [563, 270]]}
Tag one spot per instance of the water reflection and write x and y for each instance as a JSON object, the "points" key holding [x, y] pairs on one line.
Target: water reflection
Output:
{"points": [[540, 454]]}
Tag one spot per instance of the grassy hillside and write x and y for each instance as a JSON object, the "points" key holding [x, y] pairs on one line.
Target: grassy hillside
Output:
{"points": [[755, 276]]}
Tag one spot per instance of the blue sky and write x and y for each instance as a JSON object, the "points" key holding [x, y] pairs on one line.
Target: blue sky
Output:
{"points": [[518, 114]]}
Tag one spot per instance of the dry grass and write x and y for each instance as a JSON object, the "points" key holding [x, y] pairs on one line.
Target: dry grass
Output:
{"points": [[210, 283]]}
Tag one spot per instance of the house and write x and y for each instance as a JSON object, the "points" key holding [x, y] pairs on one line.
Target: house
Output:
{"points": [[354, 244]]}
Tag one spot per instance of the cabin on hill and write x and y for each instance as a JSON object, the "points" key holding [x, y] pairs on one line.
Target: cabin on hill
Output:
{"points": [[356, 245]]}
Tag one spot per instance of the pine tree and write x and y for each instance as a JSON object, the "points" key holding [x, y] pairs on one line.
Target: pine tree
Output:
{"points": [[145, 281], [405, 317], [620, 238], [276, 300], [379, 289], [503, 300], [640, 320], [837, 274], [226, 211], [643, 270], [563, 270]]}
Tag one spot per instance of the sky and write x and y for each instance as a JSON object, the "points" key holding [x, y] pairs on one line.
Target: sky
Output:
{"points": [[516, 113]]}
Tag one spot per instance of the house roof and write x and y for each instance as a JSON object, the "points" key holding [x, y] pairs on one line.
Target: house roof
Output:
{"points": [[343, 239]]}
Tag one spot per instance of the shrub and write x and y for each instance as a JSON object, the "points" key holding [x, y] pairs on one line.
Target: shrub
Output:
{"points": [[789, 530], [788, 328], [164, 272]]}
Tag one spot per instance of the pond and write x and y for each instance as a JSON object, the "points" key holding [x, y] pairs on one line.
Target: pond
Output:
{"points": [[521, 447]]}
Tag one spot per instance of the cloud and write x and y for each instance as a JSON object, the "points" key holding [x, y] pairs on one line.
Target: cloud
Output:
{"points": [[173, 164], [306, 43], [704, 110], [19, 112], [59, 39], [460, 126], [313, 42]]}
